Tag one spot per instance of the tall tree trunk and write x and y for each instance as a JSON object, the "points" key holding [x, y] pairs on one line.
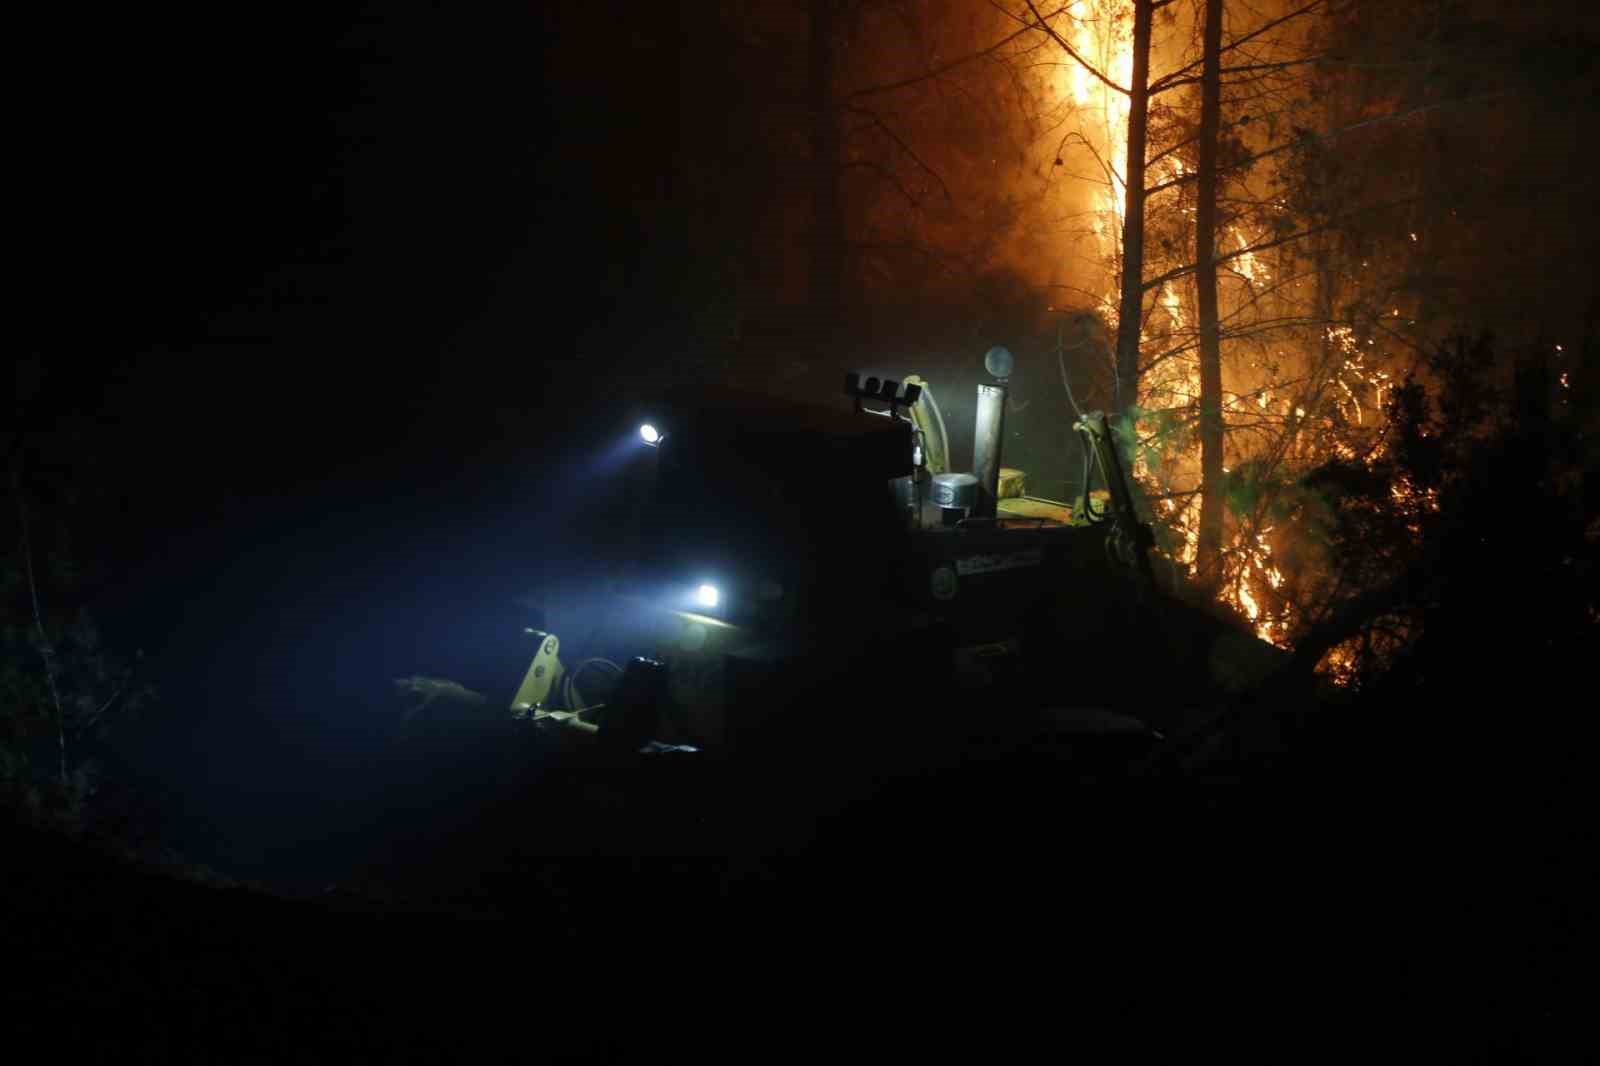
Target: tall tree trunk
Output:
{"points": [[1208, 548], [1131, 312], [827, 222]]}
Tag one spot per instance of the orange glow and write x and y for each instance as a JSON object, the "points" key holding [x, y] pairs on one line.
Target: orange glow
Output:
{"points": [[1321, 388]]}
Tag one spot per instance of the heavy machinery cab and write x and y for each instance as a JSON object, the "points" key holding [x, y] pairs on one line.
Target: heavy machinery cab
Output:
{"points": [[779, 507], [818, 525], [797, 539], [790, 548]]}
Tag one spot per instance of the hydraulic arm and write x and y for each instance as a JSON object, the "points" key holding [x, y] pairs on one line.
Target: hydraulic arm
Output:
{"points": [[1131, 538]]}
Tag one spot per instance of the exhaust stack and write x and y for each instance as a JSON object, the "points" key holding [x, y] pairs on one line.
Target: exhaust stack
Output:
{"points": [[989, 432]]}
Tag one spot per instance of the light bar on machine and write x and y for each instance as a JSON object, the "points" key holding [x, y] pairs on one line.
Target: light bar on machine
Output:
{"points": [[886, 391]]}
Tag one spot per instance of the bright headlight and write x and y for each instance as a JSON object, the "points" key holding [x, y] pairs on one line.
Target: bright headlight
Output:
{"points": [[706, 596], [649, 434]]}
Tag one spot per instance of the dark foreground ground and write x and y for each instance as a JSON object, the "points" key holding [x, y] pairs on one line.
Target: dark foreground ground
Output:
{"points": [[984, 912]]}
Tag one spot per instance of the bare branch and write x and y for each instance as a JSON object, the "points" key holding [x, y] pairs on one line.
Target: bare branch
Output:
{"points": [[1111, 174], [1166, 152], [1169, 81], [1043, 24], [1248, 68], [882, 172], [1098, 298], [1184, 271], [904, 147], [1332, 134], [1348, 617], [103, 708], [942, 69]]}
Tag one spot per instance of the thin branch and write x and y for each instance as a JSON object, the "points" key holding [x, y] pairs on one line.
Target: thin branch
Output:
{"points": [[1044, 25], [104, 707], [1098, 298], [1247, 68], [1148, 163], [1312, 138], [1112, 176], [1285, 64], [1185, 271], [941, 70], [1347, 618], [883, 172], [906, 148], [1061, 363], [1167, 81]]}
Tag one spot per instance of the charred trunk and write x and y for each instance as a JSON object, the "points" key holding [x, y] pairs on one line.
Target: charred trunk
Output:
{"points": [[1208, 548], [1130, 314]]}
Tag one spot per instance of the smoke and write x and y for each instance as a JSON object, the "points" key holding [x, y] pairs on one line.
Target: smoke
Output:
{"points": [[957, 168]]}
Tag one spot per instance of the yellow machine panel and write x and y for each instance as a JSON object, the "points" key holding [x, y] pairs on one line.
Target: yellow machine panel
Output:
{"points": [[1033, 507], [1013, 483], [534, 692]]}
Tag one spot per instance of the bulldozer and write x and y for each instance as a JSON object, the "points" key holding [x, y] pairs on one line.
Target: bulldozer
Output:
{"points": [[808, 569]]}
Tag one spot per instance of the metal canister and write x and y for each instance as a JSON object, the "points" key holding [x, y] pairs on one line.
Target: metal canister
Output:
{"points": [[955, 490]]}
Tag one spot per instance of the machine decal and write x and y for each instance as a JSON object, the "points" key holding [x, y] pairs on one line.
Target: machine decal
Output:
{"points": [[987, 564]]}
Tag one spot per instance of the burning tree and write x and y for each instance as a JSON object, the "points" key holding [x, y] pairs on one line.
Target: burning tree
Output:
{"points": [[1175, 219], [1271, 242]]}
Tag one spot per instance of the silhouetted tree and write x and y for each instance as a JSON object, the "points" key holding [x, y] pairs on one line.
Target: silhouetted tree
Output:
{"points": [[1468, 558], [60, 686]]}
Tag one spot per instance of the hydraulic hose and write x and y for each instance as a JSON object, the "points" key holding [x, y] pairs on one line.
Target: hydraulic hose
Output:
{"points": [[1090, 461], [572, 695]]}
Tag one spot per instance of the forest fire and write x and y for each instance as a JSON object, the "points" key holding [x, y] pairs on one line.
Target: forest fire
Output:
{"points": [[436, 536], [1167, 463], [1301, 384]]}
